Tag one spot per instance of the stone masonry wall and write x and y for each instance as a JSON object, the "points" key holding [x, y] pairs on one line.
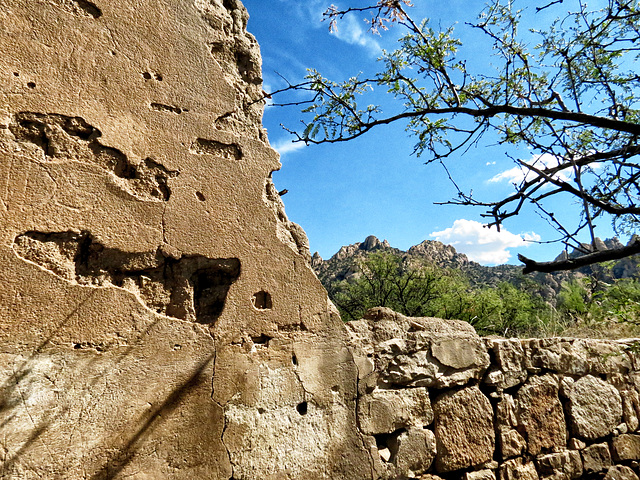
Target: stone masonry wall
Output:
{"points": [[437, 401]]}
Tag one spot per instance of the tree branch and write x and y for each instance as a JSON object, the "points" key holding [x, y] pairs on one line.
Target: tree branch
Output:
{"points": [[582, 261]]}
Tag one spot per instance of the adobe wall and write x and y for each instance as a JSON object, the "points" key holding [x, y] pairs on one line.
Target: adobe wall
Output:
{"points": [[158, 319], [441, 402]]}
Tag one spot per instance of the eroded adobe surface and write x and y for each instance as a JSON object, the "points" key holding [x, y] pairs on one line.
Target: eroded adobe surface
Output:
{"points": [[157, 315]]}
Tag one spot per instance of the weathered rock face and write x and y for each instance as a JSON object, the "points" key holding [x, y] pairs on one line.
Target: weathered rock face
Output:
{"points": [[540, 415], [157, 315], [464, 429], [595, 407]]}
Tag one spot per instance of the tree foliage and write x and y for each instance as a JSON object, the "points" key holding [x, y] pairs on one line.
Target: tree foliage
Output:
{"points": [[567, 92], [585, 303], [419, 289]]}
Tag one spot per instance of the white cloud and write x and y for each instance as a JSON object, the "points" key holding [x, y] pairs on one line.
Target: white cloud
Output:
{"points": [[287, 146], [310, 10], [518, 174], [481, 244], [349, 29]]}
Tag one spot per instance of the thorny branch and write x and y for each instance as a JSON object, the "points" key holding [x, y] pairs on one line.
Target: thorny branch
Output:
{"points": [[571, 100]]}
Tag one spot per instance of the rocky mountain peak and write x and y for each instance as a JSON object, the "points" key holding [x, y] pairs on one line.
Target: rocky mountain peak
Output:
{"points": [[372, 243], [439, 253]]}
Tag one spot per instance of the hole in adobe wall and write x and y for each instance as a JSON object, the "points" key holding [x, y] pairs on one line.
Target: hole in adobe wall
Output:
{"points": [[189, 288], [31, 84], [294, 359], [302, 408], [16, 74], [262, 300], [200, 196], [261, 341], [152, 76]]}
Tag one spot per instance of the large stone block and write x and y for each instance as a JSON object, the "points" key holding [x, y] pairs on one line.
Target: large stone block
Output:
{"points": [[412, 452], [518, 469], [625, 447], [485, 474], [620, 472], [596, 458], [595, 408], [567, 463], [464, 429], [540, 414], [509, 366], [385, 411], [630, 407], [511, 443]]}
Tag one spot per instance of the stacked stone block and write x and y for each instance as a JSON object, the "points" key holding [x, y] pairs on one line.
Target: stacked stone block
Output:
{"points": [[494, 408]]}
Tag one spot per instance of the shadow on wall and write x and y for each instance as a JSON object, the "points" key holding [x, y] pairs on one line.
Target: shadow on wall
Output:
{"points": [[152, 420], [191, 288]]}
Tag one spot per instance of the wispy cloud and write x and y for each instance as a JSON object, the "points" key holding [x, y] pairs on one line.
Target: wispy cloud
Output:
{"points": [[311, 10], [481, 244], [350, 30], [519, 174], [285, 146]]}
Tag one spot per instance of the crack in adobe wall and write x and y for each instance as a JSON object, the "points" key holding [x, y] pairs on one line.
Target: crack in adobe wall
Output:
{"points": [[192, 287], [61, 137]]}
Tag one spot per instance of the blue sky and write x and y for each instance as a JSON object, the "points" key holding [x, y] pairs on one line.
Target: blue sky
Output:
{"points": [[341, 193]]}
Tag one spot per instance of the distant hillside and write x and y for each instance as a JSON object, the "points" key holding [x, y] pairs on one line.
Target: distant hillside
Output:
{"points": [[344, 265]]}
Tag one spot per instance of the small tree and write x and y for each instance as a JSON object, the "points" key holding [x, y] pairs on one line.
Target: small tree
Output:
{"points": [[387, 280], [572, 97]]}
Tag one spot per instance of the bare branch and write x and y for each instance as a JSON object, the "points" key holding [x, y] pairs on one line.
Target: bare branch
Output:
{"points": [[582, 261]]}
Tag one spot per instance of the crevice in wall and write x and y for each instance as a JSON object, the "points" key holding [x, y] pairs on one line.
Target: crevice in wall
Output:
{"points": [[83, 8], [89, 8], [161, 107], [203, 146], [64, 138], [191, 287]]}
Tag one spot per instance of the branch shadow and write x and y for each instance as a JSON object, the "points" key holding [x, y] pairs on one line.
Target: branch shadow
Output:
{"points": [[153, 419]]}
